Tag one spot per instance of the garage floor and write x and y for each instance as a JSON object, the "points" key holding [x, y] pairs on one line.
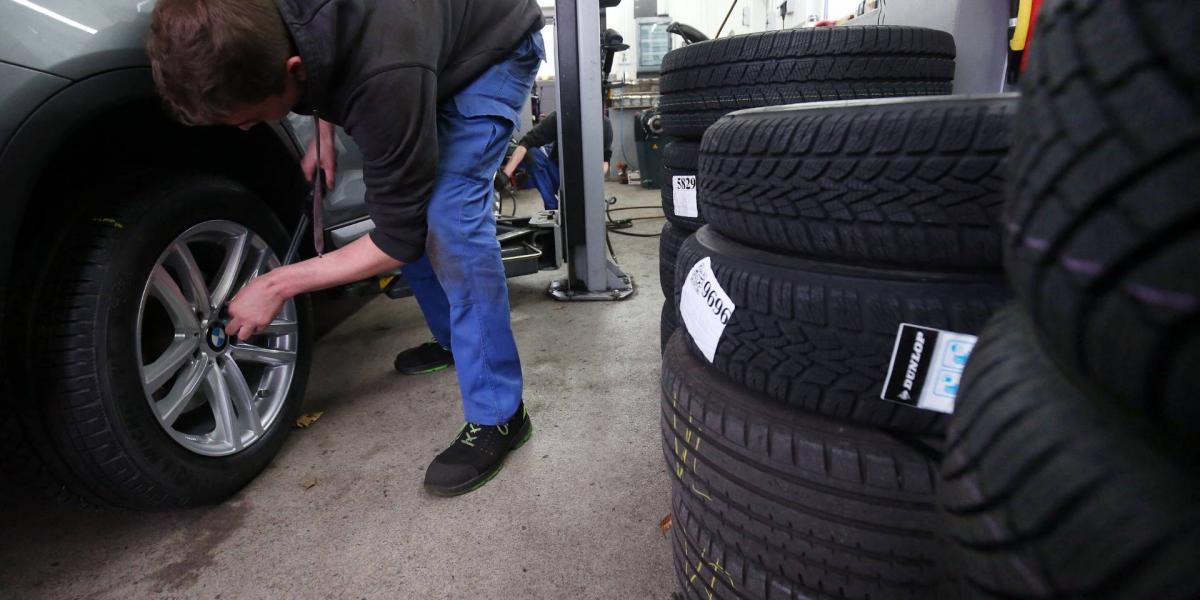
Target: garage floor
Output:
{"points": [[574, 514]]}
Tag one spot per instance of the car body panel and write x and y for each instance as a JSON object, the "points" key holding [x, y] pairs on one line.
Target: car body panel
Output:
{"points": [[21, 91], [74, 38], [345, 204], [42, 132]]}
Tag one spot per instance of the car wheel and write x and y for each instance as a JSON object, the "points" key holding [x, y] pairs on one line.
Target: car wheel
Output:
{"points": [[668, 322], [703, 82], [1049, 494], [669, 242], [910, 183], [679, 160], [771, 502], [819, 336], [147, 401], [1103, 220]]}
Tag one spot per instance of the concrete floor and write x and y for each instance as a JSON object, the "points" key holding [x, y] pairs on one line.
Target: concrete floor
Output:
{"points": [[574, 514]]}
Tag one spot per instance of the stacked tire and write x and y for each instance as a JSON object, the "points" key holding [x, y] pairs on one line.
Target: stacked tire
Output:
{"points": [[1070, 468], [828, 226], [703, 82]]}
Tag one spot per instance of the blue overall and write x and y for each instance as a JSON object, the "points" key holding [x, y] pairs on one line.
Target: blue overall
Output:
{"points": [[544, 174], [460, 283]]}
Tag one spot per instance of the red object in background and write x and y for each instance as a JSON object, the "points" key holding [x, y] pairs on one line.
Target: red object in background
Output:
{"points": [[1033, 19], [825, 23]]}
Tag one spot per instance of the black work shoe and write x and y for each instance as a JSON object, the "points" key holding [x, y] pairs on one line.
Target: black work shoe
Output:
{"points": [[476, 455], [429, 357]]}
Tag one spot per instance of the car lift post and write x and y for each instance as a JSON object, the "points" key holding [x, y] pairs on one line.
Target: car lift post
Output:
{"points": [[592, 274]]}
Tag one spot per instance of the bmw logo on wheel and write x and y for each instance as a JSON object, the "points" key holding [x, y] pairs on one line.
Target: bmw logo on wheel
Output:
{"points": [[217, 339]]}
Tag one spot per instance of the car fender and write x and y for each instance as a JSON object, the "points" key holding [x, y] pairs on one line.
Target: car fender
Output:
{"points": [[40, 135]]}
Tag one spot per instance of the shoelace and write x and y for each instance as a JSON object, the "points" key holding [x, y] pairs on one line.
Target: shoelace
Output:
{"points": [[471, 431]]}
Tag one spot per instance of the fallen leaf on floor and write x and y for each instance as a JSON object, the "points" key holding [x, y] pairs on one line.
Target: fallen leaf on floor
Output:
{"points": [[309, 483], [308, 419], [665, 525]]}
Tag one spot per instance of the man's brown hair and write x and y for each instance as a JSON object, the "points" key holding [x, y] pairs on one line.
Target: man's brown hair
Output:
{"points": [[210, 56]]}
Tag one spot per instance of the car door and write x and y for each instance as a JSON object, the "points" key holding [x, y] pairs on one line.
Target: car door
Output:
{"points": [[346, 217]]}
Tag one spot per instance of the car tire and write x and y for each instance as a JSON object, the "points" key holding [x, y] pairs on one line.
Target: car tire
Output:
{"points": [[702, 82], [909, 183], [773, 502], [1103, 215], [679, 160], [668, 323], [99, 318], [669, 242], [819, 336], [1047, 495]]}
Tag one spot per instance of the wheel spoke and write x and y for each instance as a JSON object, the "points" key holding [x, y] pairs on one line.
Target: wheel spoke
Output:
{"points": [[192, 278], [163, 287], [262, 356], [236, 250], [222, 406], [243, 398], [158, 373], [260, 264], [181, 394], [281, 327]]}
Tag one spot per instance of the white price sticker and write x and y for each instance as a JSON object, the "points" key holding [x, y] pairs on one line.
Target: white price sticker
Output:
{"points": [[705, 307], [684, 194]]}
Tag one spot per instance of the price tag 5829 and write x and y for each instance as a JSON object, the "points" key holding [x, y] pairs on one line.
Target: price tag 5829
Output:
{"points": [[683, 196]]}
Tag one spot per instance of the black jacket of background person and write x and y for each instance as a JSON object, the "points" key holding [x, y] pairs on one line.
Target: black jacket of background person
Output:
{"points": [[380, 68], [546, 132]]}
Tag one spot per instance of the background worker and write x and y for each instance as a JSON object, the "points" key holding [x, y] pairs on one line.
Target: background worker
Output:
{"points": [[540, 146], [431, 92]]}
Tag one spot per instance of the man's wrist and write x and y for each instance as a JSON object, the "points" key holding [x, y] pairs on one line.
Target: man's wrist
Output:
{"points": [[280, 284]]}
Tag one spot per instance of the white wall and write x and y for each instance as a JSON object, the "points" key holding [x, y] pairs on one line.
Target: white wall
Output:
{"points": [[749, 16], [706, 15]]}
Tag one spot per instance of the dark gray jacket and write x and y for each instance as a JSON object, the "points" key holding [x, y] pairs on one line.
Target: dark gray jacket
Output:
{"points": [[380, 68], [546, 133]]}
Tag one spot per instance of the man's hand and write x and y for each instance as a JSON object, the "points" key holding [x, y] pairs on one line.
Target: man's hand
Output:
{"points": [[328, 155], [254, 308], [518, 155], [257, 304]]}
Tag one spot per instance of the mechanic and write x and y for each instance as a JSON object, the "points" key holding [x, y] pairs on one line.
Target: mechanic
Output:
{"points": [[543, 141], [431, 91]]}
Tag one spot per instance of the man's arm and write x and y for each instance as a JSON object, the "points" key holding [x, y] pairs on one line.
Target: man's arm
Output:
{"points": [[543, 133], [256, 305], [514, 162], [357, 261]]}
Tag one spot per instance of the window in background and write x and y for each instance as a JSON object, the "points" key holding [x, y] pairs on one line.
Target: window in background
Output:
{"points": [[653, 43]]}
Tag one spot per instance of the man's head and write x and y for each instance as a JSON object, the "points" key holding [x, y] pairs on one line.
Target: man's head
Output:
{"points": [[224, 61]]}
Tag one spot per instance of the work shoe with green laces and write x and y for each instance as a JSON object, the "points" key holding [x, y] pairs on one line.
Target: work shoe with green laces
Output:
{"points": [[429, 357], [476, 455]]}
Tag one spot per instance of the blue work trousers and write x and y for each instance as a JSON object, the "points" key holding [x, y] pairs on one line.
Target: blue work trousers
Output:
{"points": [[460, 282], [544, 173]]}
